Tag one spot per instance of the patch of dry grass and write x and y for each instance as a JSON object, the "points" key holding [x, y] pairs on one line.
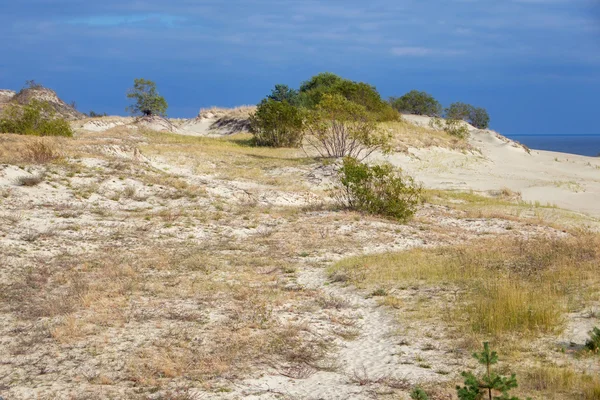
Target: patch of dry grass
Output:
{"points": [[503, 286], [405, 135]]}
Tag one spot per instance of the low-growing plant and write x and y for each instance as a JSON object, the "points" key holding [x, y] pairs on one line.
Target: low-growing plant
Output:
{"points": [[34, 118], [339, 127], [490, 383], [379, 189], [29, 180], [593, 343], [277, 124]]}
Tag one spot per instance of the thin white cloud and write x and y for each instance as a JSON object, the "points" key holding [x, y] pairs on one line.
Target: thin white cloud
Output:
{"points": [[424, 52]]}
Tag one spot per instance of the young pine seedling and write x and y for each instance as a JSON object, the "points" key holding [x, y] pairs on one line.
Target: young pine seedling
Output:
{"points": [[490, 386]]}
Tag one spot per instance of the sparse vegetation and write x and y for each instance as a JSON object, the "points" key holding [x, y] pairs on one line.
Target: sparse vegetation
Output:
{"points": [[504, 286], [379, 189]]}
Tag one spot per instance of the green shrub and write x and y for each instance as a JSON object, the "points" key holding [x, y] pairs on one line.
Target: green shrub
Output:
{"points": [[419, 103], [34, 118], [489, 383], [147, 100], [476, 116], [277, 124], [339, 127], [379, 189], [593, 343]]}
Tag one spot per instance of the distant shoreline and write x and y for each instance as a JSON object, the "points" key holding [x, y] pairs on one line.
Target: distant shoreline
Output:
{"points": [[578, 144]]}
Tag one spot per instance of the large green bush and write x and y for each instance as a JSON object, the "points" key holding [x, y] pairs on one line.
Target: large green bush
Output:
{"points": [[379, 189], [338, 127], [312, 91], [34, 118], [146, 99], [416, 102], [277, 124]]}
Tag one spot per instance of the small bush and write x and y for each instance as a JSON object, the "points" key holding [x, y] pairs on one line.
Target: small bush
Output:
{"points": [[378, 189], [593, 343], [339, 127], [30, 180], [419, 103], [277, 124], [35, 118]]}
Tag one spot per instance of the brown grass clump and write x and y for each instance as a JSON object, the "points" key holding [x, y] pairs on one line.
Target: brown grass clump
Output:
{"points": [[40, 152]]}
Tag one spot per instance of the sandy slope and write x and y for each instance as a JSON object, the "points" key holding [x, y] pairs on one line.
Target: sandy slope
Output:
{"points": [[565, 180]]}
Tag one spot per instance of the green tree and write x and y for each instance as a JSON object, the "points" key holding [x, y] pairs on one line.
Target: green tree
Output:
{"points": [[378, 189], [284, 93], [416, 102], [146, 99], [338, 127], [490, 383], [277, 124], [479, 118]]}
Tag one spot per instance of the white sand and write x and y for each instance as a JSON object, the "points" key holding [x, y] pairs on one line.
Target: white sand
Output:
{"points": [[565, 180]]}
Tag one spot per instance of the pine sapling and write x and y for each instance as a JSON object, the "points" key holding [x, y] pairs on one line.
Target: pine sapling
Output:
{"points": [[477, 388], [418, 394], [593, 343]]}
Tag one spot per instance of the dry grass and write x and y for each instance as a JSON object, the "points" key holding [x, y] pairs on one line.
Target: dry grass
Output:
{"points": [[504, 286], [220, 112], [561, 382], [405, 135]]}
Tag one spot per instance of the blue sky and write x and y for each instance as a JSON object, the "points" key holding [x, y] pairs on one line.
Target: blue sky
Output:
{"points": [[534, 64]]}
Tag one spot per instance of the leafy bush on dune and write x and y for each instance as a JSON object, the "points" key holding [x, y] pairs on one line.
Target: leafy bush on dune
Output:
{"points": [[339, 127], [476, 116], [379, 189], [416, 102], [312, 91], [34, 118], [277, 124]]}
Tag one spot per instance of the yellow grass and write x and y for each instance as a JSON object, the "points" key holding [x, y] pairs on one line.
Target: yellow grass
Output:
{"points": [[503, 286]]}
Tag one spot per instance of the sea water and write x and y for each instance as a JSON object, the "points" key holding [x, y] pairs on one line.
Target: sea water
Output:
{"points": [[585, 145]]}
